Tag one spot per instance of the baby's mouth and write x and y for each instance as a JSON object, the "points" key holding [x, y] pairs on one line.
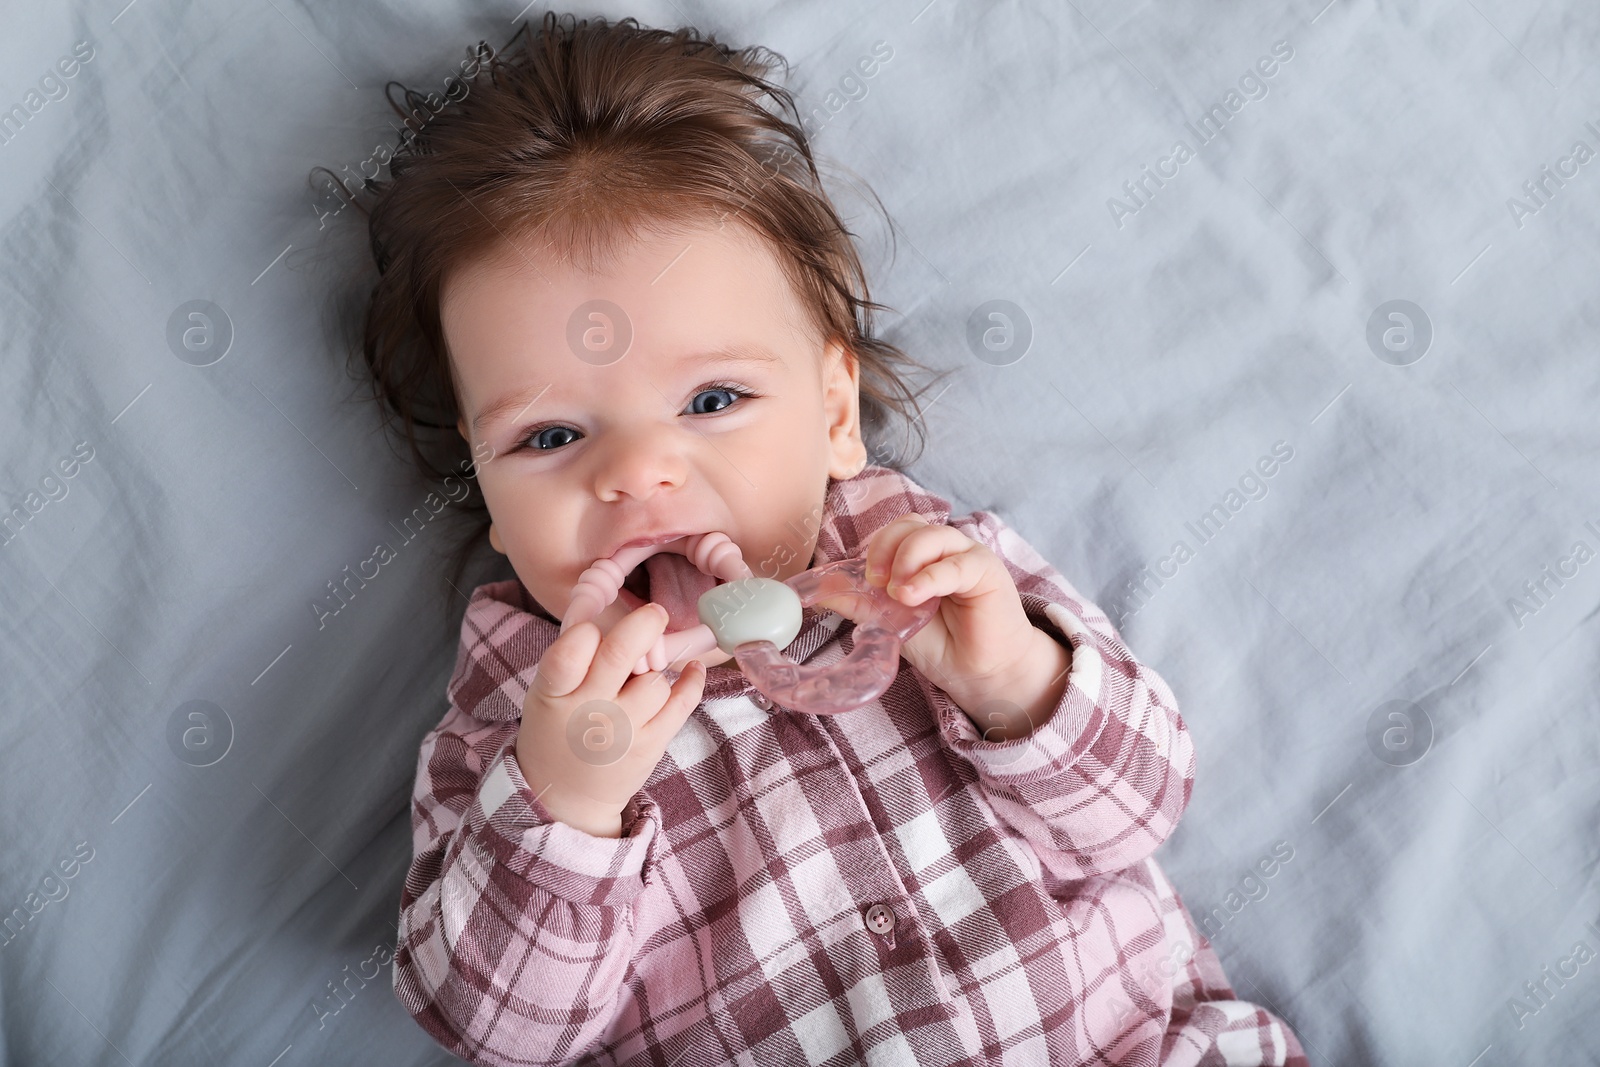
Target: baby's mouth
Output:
{"points": [[670, 579], [638, 582]]}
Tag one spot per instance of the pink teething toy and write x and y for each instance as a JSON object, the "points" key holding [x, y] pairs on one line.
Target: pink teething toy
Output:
{"points": [[755, 618]]}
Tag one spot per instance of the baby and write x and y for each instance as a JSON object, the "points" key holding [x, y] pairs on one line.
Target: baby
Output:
{"points": [[617, 272]]}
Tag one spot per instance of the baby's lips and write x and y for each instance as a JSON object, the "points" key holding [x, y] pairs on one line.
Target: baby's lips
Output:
{"points": [[677, 580]]}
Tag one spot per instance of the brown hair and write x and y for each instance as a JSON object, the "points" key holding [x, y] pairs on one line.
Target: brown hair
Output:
{"points": [[579, 134]]}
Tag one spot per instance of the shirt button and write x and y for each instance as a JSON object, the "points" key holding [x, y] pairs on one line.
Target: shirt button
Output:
{"points": [[760, 700], [880, 920]]}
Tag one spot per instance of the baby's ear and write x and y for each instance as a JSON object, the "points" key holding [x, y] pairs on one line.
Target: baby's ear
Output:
{"points": [[842, 407], [461, 428]]}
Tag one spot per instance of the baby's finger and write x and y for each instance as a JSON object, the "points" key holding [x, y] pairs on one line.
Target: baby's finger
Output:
{"points": [[950, 576], [885, 543], [922, 547], [628, 640], [664, 725], [565, 663], [645, 691]]}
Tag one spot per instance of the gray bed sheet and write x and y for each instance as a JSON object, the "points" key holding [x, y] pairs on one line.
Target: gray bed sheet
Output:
{"points": [[1309, 408]]}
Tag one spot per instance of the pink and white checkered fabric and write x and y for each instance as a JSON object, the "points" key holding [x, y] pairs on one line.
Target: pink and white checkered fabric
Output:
{"points": [[878, 887]]}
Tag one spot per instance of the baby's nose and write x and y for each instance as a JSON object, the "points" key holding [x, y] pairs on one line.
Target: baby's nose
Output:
{"points": [[639, 465]]}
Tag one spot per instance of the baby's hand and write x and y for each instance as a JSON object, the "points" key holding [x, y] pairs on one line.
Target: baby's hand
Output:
{"points": [[980, 646], [591, 731]]}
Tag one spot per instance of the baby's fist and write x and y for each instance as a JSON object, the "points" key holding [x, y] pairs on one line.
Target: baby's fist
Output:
{"points": [[592, 731]]}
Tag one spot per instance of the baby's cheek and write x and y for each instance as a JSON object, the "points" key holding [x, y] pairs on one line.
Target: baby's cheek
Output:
{"points": [[551, 592]]}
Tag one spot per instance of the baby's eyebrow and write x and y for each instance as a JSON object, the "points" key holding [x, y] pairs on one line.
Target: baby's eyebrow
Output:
{"points": [[506, 403], [735, 353], [522, 399]]}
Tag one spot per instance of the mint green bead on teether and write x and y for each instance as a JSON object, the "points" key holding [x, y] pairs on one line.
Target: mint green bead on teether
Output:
{"points": [[755, 619], [751, 609]]}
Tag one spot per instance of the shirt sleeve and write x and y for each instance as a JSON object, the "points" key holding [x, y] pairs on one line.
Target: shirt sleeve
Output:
{"points": [[1104, 779], [515, 929]]}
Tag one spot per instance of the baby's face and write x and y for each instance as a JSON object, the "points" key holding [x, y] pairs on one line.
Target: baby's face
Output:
{"points": [[724, 413]]}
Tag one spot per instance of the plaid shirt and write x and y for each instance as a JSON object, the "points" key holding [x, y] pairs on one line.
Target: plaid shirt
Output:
{"points": [[882, 886]]}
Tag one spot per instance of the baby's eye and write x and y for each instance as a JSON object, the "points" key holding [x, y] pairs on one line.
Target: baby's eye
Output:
{"points": [[543, 441], [724, 396], [550, 438]]}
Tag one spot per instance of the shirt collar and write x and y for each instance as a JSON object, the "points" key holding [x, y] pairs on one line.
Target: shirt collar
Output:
{"points": [[505, 631]]}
